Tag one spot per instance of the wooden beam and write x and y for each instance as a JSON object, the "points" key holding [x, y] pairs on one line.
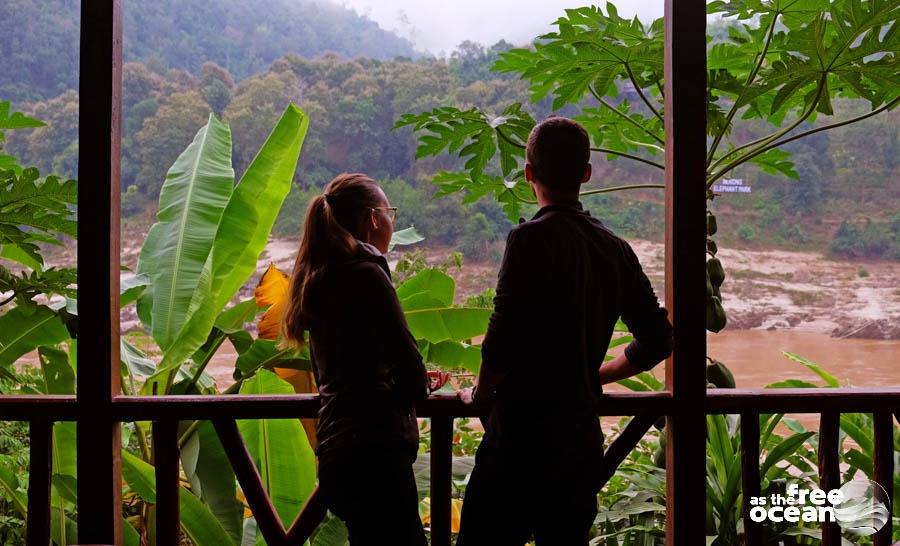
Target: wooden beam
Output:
{"points": [[245, 470], [624, 444], [308, 519], [99, 129], [165, 462], [40, 436], [734, 401], [685, 127]]}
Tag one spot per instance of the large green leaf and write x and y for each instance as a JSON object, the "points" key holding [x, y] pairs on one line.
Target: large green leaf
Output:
{"points": [[265, 353], [217, 482], [431, 282], [448, 324], [403, 237], [23, 329], [453, 354], [59, 377], [196, 519], [241, 234], [191, 203], [280, 449]]}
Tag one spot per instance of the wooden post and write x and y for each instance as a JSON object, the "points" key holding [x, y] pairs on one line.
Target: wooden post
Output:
{"points": [[165, 461], [40, 435], [685, 125], [441, 474], [99, 128], [884, 467], [750, 475], [829, 469]]}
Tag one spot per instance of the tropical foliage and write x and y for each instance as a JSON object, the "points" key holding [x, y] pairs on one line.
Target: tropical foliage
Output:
{"points": [[633, 502], [785, 63]]}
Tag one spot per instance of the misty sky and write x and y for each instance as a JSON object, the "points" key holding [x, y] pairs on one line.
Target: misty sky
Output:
{"points": [[439, 25]]}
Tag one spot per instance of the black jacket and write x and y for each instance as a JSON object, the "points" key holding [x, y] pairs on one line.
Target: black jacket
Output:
{"points": [[564, 281], [366, 363]]}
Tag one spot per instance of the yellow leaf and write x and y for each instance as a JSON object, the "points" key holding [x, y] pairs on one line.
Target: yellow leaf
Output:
{"points": [[455, 513], [303, 383], [272, 291]]}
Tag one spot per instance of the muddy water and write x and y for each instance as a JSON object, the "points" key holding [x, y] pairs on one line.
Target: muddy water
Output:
{"points": [[755, 357]]}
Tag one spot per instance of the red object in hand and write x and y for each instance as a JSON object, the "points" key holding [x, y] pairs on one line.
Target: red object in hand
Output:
{"points": [[437, 379]]}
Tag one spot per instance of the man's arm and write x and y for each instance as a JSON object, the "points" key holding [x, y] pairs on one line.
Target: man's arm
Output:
{"points": [[647, 321], [616, 369], [502, 342]]}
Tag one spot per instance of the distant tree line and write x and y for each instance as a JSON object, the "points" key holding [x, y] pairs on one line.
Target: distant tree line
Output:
{"points": [[847, 176]]}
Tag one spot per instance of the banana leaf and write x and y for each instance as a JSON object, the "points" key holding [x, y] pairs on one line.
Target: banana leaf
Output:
{"points": [[240, 235], [280, 449], [191, 203], [200, 525]]}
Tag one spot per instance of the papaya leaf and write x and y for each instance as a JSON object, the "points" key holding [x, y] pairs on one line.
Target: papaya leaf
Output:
{"points": [[23, 329]]}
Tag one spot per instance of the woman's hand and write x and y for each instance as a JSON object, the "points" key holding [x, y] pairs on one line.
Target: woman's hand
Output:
{"points": [[437, 379]]}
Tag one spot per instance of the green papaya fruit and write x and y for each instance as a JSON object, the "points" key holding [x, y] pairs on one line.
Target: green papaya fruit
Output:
{"points": [[716, 271], [711, 246], [709, 286], [711, 226], [719, 375], [715, 314], [659, 456]]}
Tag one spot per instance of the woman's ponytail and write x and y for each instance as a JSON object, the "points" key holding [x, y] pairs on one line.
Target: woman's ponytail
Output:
{"points": [[329, 235]]}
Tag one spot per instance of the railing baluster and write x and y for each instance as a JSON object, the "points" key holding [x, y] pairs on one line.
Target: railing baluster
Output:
{"points": [[624, 444], [884, 467], [40, 435], [441, 474], [165, 459], [308, 519], [829, 469], [750, 474], [245, 470]]}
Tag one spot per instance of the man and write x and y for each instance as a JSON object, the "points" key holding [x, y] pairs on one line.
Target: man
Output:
{"points": [[564, 281]]}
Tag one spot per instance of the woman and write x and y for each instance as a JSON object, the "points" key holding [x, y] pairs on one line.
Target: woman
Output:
{"points": [[366, 363]]}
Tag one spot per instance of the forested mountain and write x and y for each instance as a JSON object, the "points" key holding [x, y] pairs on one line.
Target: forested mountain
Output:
{"points": [[846, 200], [39, 40]]}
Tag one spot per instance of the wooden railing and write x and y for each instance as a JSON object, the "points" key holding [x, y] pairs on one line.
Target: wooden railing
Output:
{"points": [[166, 411]]}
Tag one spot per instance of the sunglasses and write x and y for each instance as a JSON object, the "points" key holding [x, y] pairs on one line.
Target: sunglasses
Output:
{"points": [[392, 212]]}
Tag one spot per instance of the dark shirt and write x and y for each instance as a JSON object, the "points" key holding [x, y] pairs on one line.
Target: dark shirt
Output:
{"points": [[564, 281], [366, 362]]}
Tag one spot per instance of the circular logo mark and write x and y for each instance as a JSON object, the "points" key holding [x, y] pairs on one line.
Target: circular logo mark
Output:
{"points": [[864, 508]]}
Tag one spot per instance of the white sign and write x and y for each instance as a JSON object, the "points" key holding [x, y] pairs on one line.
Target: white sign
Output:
{"points": [[731, 185]]}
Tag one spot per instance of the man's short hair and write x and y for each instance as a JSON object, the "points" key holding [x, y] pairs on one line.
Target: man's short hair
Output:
{"points": [[558, 150]]}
